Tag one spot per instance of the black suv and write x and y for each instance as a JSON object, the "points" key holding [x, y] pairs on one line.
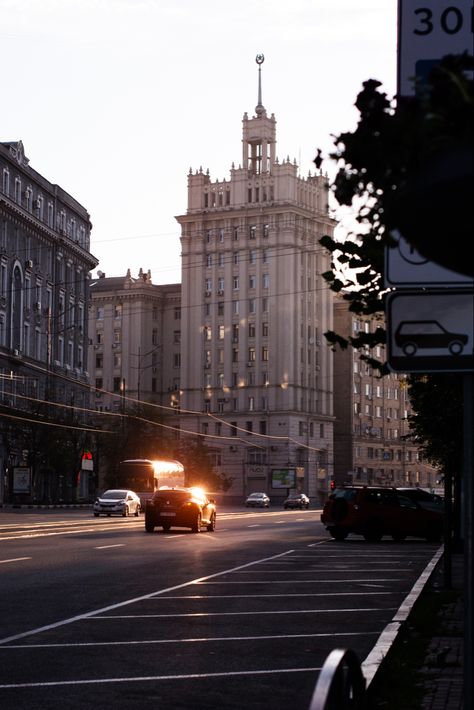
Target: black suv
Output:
{"points": [[374, 511], [181, 508]]}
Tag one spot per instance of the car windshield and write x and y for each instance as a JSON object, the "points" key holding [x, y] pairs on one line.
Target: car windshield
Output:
{"points": [[257, 495], [114, 494], [347, 493]]}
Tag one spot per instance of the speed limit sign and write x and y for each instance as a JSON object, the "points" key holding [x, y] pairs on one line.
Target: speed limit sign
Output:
{"points": [[427, 31]]}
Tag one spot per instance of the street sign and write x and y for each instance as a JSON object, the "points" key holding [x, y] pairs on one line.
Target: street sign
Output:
{"points": [[431, 331], [405, 267], [427, 31]]}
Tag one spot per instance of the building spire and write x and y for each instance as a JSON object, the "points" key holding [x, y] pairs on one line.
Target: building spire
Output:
{"points": [[260, 109]]}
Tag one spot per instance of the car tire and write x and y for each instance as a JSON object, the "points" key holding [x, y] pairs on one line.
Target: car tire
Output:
{"points": [[137, 511], [374, 531], [399, 537], [338, 535], [126, 512], [196, 527], [149, 525], [166, 528], [96, 515], [212, 523]]}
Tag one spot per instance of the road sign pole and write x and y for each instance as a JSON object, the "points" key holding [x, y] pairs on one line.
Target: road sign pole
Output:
{"points": [[468, 524]]}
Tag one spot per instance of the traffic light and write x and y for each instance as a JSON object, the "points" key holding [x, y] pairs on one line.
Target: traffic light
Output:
{"points": [[333, 485]]}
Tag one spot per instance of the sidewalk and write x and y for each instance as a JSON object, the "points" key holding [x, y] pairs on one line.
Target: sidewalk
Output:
{"points": [[424, 668], [443, 669]]}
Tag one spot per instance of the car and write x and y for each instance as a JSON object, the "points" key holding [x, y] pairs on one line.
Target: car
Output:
{"points": [[296, 500], [414, 334], [375, 511], [257, 500], [425, 499], [118, 501], [180, 507]]}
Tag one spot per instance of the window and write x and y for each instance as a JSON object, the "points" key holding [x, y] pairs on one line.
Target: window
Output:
{"points": [[235, 257], [235, 308], [252, 280], [118, 310], [117, 336], [99, 383], [265, 353], [208, 259], [235, 234], [251, 354], [233, 428], [177, 313], [248, 426], [235, 354], [117, 360], [252, 231], [235, 283], [116, 385], [252, 256], [235, 333], [265, 329], [221, 232], [207, 332], [251, 330], [99, 361], [251, 404], [220, 284], [176, 359], [220, 356], [266, 280], [221, 332], [266, 230], [220, 259], [208, 285], [100, 313], [252, 305], [265, 305], [220, 308]]}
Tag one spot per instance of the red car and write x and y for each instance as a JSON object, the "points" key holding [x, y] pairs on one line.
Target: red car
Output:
{"points": [[373, 512]]}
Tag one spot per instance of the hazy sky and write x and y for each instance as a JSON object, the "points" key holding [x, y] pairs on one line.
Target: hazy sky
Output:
{"points": [[115, 100]]}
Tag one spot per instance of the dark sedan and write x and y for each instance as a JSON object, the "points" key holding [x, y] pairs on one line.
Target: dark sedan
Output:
{"points": [[296, 500], [180, 508]]}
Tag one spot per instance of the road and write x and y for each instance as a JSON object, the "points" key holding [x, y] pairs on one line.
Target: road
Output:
{"points": [[97, 613]]}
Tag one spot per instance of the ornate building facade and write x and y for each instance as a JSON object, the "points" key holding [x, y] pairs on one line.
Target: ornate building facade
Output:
{"points": [[45, 262], [256, 374]]}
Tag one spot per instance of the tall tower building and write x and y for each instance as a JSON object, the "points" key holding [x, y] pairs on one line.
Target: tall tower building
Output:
{"points": [[256, 373]]}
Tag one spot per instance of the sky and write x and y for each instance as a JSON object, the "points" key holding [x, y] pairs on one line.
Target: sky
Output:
{"points": [[115, 100]]}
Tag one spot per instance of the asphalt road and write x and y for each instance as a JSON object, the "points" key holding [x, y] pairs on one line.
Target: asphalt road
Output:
{"points": [[95, 613]]}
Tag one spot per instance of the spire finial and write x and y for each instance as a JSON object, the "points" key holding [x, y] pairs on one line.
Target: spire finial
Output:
{"points": [[259, 109]]}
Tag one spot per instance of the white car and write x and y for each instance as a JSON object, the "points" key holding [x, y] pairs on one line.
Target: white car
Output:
{"points": [[257, 500], [117, 501]]}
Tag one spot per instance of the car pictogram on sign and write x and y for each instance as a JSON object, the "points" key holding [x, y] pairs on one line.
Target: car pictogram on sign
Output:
{"points": [[417, 334]]}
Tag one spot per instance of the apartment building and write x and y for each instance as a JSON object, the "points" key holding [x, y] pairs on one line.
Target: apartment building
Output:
{"points": [[371, 426], [256, 374], [134, 345], [45, 262]]}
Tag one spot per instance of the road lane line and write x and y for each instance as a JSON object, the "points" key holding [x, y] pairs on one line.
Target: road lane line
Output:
{"points": [[144, 642], [107, 547], [91, 614], [15, 559], [208, 614], [154, 678]]}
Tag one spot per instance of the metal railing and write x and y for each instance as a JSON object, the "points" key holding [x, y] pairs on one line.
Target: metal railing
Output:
{"points": [[341, 684]]}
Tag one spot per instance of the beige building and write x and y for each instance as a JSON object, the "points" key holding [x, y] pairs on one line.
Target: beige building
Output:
{"points": [[256, 373], [134, 350], [371, 417]]}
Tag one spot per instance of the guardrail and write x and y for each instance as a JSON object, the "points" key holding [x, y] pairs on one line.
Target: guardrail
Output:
{"points": [[341, 684]]}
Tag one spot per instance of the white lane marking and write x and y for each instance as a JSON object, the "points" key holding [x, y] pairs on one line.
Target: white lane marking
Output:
{"points": [[256, 525], [90, 614], [106, 547], [80, 644], [273, 596], [389, 634], [141, 679], [299, 581], [208, 614], [314, 569], [15, 559]]}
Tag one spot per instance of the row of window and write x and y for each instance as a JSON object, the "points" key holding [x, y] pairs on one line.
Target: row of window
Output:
{"points": [[235, 330], [221, 258], [389, 454], [37, 207], [251, 231], [235, 306], [118, 312], [252, 283]]}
